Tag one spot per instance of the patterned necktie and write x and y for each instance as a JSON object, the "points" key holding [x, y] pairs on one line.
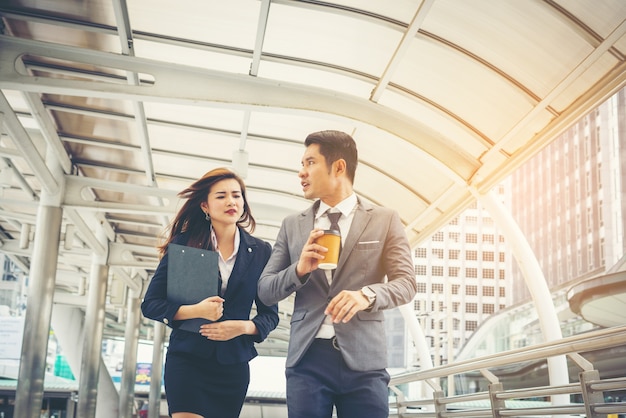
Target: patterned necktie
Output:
{"points": [[334, 218], [334, 224]]}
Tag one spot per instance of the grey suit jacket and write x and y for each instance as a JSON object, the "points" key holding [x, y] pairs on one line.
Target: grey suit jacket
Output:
{"points": [[375, 252]]}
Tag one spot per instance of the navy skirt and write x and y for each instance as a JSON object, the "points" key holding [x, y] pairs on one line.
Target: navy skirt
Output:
{"points": [[205, 387]]}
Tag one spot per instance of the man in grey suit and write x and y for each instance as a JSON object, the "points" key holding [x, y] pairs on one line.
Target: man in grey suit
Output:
{"points": [[337, 350]]}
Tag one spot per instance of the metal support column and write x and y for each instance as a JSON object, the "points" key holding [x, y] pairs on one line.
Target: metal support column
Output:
{"points": [[68, 323], [421, 345], [154, 401], [129, 368], [536, 282], [92, 336], [29, 394]]}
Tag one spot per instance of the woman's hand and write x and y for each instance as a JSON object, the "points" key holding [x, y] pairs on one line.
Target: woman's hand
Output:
{"points": [[210, 308], [226, 330]]}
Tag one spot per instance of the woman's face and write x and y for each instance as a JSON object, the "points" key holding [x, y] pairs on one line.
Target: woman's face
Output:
{"points": [[224, 202]]}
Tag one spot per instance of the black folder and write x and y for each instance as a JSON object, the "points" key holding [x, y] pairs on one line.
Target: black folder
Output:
{"points": [[192, 275]]}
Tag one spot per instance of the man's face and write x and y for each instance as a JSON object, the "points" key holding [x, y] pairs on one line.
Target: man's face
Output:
{"points": [[315, 175]]}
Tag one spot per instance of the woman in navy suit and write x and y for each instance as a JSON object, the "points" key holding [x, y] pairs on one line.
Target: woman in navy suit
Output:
{"points": [[207, 372]]}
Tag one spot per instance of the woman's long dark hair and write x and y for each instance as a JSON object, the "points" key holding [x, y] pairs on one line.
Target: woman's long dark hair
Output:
{"points": [[191, 219]]}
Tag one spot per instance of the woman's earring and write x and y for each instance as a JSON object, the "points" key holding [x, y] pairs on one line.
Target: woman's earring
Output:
{"points": [[207, 217]]}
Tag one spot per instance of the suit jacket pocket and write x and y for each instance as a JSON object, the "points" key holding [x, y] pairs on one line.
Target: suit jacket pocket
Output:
{"points": [[298, 316], [371, 316], [368, 245]]}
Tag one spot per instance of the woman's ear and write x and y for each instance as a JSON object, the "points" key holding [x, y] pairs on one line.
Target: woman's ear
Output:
{"points": [[204, 207]]}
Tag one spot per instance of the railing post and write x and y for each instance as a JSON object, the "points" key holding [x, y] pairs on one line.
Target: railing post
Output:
{"points": [[440, 408], [590, 396], [400, 398], [497, 405]]}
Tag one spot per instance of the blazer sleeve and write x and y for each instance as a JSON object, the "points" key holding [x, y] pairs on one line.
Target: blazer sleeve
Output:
{"points": [[279, 278], [266, 318]]}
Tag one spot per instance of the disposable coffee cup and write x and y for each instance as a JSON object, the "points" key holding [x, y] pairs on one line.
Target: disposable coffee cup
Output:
{"points": [[331, 240]]}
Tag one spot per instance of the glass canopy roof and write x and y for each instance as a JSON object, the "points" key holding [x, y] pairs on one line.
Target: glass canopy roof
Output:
{"points": [[135, 99]]}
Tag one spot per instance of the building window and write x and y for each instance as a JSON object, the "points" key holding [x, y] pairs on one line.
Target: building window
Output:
{"points": [[455, 306], [454, 236], [453, 254], [501, 257], [437, 287], [488, 291], [437, 271], [455, 289], [602, 262], [471, 325], [438, 236], [501, 275], [488, 273], [471, 272], [471, 290], [420, 270], [471, 255], [438, 252], [488, 308], [420, 252], [471, 238], [471, 308], [502, 292], [488, 238], [421, 288], [453, 271], [488, 256]]}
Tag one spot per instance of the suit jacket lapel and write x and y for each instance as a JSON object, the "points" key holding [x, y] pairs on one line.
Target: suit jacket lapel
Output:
{"points": [[359, 223], [244, 255]]}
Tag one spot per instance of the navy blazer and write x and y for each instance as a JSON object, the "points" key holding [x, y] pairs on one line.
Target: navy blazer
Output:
{"points": [[241, 291]]}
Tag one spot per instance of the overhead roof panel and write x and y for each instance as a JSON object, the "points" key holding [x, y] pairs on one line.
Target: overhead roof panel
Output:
{"points": [[456, 132], [136, 99], [437, 73], [192, 54], [600, 17], [230, 23], [344, 40], [528, 42]]}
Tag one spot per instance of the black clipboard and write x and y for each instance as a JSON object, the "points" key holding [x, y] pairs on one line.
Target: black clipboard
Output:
{"points": [[192, 275]]}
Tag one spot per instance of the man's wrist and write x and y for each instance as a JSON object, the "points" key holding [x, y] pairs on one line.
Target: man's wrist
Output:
{"points": [[369, 295]]}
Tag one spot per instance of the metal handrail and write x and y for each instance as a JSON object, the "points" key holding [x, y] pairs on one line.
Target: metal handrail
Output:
{"points": [[594, 340], [591, 386]]}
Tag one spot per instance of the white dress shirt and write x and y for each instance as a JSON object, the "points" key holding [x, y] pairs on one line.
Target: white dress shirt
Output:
{"points": [[347, 208]]}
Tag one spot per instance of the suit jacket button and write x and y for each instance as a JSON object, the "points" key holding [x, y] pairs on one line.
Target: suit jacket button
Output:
{"points": [[165, 321]]}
